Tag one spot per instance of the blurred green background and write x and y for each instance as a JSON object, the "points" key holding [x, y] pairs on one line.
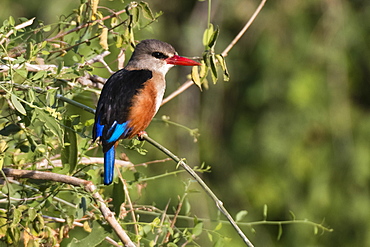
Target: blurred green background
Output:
{"points": [[291, 129]]}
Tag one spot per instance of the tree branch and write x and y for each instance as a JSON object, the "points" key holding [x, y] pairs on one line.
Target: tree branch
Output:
{"points": [[199, 180], [244, 29], [87, 185], [189, 83], [20, 26]]}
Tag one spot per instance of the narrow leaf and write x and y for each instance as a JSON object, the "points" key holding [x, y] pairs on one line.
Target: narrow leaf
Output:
{"points": [[94, 8], [240, 215], [70, 151], [32, 213], [147, 12], [315, 230], [197, 230], [40, 74], [218, 227], [213, 68], [118, 196], [264, 212], [222, 63], [104, 38], [50, 123], [207, 34], [17, 105], [280, 233], [213, 38], [16, 217], [195, 77]]}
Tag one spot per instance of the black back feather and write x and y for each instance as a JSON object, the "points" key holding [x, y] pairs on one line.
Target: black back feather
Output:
{"points": [[116, 96]]}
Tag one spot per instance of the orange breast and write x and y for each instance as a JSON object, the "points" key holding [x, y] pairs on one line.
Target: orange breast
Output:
{"points": [[143, 109]]}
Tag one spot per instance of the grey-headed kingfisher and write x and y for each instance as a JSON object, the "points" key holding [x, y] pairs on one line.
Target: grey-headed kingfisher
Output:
{"points": [[131, 97]]}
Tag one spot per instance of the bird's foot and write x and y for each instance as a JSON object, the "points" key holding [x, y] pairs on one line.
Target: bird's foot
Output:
{"points": [[141, 135]]}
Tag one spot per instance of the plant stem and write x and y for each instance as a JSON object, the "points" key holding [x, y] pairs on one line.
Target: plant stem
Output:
{"points": [[210, 193], [145, 137]]}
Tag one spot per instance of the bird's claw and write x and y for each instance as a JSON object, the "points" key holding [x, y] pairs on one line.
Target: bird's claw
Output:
{"points": [[141, 135]]}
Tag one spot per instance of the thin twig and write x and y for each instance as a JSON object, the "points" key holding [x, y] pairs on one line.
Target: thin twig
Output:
{"points": [[218, 203], [163, 218], [76, 223], [178, 91], [55, 198], [244, 29], [128, 198], [189, 83], [60, 35], [84, 160], [210, 193], [87, 185], [177, 213], [20, 26]]}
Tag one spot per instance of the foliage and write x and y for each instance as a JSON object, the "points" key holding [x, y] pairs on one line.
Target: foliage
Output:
{"points": [[44, 66], [40, 131]]}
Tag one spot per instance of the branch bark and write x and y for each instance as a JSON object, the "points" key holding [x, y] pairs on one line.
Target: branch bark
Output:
{"points": [[87, 185], [189, 83]]}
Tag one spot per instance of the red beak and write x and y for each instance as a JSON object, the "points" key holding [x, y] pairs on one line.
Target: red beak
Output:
{"points": [[177, 60]]}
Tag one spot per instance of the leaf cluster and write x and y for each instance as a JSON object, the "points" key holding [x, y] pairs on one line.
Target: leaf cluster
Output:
{"points": [[41, 68]]}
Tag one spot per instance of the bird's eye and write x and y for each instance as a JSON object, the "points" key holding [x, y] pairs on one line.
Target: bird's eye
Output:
{"points": [[159, 55]]}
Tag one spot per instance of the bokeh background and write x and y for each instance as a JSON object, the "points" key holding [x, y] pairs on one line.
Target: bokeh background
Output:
{"points": [[290, 130]]}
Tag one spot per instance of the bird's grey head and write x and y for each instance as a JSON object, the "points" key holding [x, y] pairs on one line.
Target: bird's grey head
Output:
{"points": [[152, 54]]}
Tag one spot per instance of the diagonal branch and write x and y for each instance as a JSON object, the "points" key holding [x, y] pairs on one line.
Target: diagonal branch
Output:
{"points": [[205, 187], [20, 26], [210, 193], [189, 83], [244, 29], [87, 185]]}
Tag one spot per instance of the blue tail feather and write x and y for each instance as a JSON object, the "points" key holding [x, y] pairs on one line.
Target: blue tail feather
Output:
{"points": [[109, 157]]}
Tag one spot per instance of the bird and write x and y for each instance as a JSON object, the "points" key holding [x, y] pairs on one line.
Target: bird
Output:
{"points": [[132, 96]]}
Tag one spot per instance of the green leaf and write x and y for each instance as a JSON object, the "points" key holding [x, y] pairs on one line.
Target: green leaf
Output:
{"points": [[17, 105], [32, 213], [17, 214], [11, 21], [197, 230], [315, 230], [118, 196], [70, 151], [240, 215], [213, 38], [46, 28], [207, 34], [3, 224], [31, 96], [147, 12], [39, 75], [10, 129], [222, 63], [41, 221], [21, 72], [195, 77], [219, 243], [14, 233], [280, 233], [218, 227], [264, 212], [50, 123], [213, 68], [94, 238]]}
